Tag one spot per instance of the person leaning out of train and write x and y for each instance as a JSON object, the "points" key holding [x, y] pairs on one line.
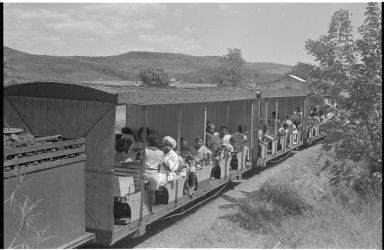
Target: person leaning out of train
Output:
{"points": [[201, 154], [170, 163], [153, 158], [189, 164]]}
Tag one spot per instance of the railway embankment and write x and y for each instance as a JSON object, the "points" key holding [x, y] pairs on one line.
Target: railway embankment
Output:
{"points": [[288, 205]]}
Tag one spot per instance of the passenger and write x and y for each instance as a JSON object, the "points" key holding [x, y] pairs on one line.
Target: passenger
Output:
{"points": [[153, 158], [280, 135], [127, 133], [210, 132], [238, 139], [140, 134], [201, 154], [276, 123], [183, 142], [190, 165], [170, 162], [223, 138], [290, 127], [121, 146], [218, 154], [264, 138]]}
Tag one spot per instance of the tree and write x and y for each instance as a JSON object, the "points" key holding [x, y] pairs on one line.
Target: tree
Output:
{"points": [[348, 74], [154, 77], [302, 70], [232, 71]]}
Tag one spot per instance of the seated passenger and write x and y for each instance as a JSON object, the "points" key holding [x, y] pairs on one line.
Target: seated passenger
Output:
{"points": [[201, 154], [190, 166], [153, 158], [183, 142], [223, 138], [122, 147], [140, 134], [264, 138], [280, 135], [209, 135], [170, 163], [238, 139], [126, 133], [290, 127]]}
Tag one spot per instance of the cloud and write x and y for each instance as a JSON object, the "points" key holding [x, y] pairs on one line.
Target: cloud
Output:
{"points": [[228, 9], [175, 43], [177, 12], [128, 47], [188, 29]]}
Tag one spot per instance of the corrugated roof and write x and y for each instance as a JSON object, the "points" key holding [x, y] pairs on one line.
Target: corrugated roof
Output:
{"points": [[140, 95]]}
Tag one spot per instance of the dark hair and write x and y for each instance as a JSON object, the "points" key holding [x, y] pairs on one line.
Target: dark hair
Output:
{"points": [[153, 140], [126, 131], [224, 126], [240, 128], [122, 144], [198, 138], [184, 149], [140, 132]]}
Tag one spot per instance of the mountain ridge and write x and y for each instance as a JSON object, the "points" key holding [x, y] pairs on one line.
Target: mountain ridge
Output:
{"points": [[125, 67]]}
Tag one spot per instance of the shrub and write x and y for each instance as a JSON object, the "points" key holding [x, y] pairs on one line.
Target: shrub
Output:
{"points": [[268, 206], [154, 77]]}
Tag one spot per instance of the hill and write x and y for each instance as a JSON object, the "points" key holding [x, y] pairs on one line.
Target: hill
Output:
{"points": [[22, 67]]}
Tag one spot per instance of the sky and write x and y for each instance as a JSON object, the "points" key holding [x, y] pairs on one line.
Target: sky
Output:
{"points": [[265, 32]]}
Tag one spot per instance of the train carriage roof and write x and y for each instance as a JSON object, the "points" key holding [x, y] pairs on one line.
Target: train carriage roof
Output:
{"points": [[119, 94]]}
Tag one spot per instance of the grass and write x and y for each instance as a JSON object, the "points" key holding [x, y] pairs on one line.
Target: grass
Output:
{"points": [[281, 212], [278, 215]]}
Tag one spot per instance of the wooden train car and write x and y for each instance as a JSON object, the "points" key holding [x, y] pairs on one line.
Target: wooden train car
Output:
{"points": [[89, 111], [51, 175]]}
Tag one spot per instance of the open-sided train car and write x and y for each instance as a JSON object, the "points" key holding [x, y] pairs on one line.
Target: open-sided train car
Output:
{"points": [[89, 111]]}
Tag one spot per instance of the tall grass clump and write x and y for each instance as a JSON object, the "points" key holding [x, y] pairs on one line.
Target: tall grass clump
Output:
{"points": [[265, 208], [333, 225], [288, 219]]}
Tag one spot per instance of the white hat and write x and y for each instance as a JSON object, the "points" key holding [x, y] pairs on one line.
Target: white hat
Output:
{"points": [[170, 140]]}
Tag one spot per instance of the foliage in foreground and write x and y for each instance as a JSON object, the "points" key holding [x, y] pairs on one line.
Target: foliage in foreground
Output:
{"points": [[348, 74], [281, 212]]}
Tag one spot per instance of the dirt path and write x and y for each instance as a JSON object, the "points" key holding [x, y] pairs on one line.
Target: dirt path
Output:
{"points": [[178, 232]]}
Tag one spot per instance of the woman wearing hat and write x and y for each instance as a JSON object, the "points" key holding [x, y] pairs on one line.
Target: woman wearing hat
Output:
{"points": [[170, 161]]}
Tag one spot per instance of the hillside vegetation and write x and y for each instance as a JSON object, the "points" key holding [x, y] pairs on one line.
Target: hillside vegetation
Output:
{"points": [[125, 67]]}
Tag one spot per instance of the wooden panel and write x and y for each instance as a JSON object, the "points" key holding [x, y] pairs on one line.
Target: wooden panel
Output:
{"points": [[82, 123], [192, 122], [11, 117], [101, 140], [154, 97], [99, 201], [216, 113], [50, 128], [133, 117], [281, 108], [290, 106], [204, 173], [61, 209]]}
